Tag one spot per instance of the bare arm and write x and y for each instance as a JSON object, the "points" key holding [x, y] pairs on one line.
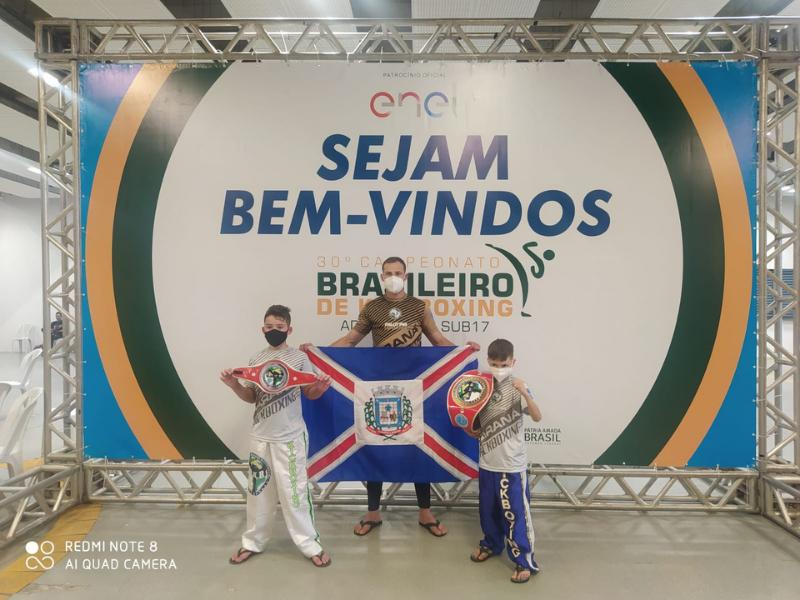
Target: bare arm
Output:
{"points": [[247, 394], [346, 341], [436, 337], [431, 331], [533, 409], [350, 339], [314, 390]]}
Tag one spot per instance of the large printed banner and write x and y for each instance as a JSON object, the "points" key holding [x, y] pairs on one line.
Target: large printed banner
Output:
{"points": [[599, 216]]}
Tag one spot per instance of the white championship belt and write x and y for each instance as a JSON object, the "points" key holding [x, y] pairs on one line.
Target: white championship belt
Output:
{"points": [[274, 376], [468, 394]]}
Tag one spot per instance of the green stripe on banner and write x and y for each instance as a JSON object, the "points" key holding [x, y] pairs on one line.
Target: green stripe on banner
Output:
{"points": [[703, 266], [133, 264]]}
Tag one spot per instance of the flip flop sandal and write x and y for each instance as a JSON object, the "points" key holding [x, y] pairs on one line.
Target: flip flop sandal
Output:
{"points": [[483, 551], [322, 565], [239, 553], [372, 525], [518, 569], [430, 526]]}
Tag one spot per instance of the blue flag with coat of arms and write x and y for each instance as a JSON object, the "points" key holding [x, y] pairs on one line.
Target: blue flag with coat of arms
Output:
{"points": [[384, 418]]}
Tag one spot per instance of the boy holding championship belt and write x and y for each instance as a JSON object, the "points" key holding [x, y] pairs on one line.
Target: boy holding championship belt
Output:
{"points": [[503, 493], [278, 440]]}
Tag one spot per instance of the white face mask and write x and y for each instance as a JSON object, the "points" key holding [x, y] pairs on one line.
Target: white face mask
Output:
{"points": [[393, 284], [500, 373]]}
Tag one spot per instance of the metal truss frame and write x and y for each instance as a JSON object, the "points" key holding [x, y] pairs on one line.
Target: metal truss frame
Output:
{"points": [[416, 39], [773, 489], [779, 322], [35, 497], [210, 482], [61, 267]]}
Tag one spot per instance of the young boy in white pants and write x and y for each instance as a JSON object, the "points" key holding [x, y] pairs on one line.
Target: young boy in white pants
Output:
{"points": [[278, 449]]}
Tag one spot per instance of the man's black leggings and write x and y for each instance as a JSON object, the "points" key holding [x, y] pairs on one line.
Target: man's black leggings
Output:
{"points": [[375, 489]]}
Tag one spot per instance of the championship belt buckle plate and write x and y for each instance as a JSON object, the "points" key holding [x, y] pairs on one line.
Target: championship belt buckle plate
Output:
{"points": [[274, 376], [467, 396]]}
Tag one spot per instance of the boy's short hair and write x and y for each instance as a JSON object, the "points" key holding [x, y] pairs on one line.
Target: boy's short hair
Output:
{"points": [[500, 349], [392, 259], [280, 311]]}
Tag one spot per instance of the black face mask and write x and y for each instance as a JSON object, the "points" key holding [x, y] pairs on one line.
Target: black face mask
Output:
{"points": [[275, 337]]}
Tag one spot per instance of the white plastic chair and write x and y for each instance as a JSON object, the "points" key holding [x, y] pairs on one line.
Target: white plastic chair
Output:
{"points": [[5, 388], [35, 334], [23, 335], [24, 371], [12, 430]]}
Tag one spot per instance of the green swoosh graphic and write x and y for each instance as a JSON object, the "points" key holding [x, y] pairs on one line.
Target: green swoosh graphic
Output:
{"points": [[133, 264], [703, 266]]}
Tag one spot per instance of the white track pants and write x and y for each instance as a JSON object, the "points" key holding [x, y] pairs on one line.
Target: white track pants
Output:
{"points": [[278, 472]]}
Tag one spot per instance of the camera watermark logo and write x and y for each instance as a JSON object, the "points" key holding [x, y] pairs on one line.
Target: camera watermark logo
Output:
{"points": [[40, 555]]}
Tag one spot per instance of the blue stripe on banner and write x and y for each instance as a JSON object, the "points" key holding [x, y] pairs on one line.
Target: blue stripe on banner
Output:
{"points": [[733, 87], [102, 88]]}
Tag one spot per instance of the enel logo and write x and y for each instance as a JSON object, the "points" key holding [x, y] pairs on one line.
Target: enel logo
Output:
{"points": [[382, 103]]}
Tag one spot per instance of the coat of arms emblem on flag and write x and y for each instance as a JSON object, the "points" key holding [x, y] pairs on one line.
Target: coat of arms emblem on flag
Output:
{"points": [[388, 413], [384, 418]]}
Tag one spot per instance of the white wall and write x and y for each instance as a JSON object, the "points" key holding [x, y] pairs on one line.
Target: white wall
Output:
{"points": [[20, 267]]}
